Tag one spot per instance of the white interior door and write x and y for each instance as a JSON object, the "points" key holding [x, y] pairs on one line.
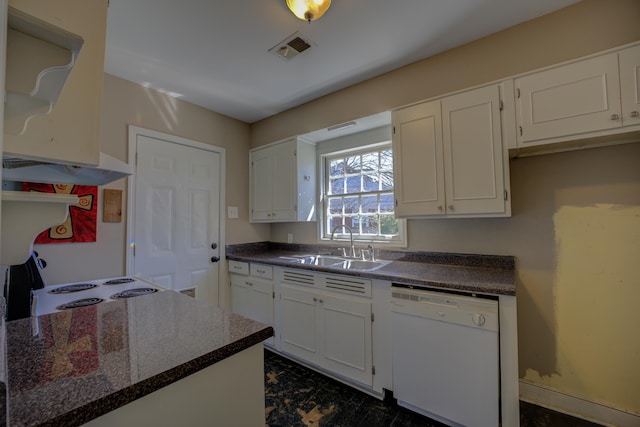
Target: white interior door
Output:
{"points": [[176, 216]]}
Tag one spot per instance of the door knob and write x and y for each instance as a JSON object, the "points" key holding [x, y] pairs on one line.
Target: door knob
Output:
{"points": [[214, 246], [215, 259]]}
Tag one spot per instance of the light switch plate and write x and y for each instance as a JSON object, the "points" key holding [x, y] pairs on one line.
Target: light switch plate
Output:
{"points": [[232, 212]]}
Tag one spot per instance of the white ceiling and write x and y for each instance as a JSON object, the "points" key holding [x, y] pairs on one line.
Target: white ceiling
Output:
{"points": [[214, 53]]}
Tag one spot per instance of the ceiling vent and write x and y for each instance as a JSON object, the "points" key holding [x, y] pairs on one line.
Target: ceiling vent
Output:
{"points": [[292, 46]]}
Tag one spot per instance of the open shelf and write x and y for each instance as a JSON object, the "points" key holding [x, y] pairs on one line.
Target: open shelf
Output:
{"points": [[24, 216], [40, 57]]}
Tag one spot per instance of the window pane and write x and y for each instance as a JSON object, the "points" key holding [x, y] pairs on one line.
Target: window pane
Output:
{"points": [[337, 186], [353, 221], [351, 205], [388, 225], [335, 205], [369, 204], [333, 222], [353, 164], [370, 224], [336, 168], [370, 162], [386, 180], [387, 203], [386, 160], [370, 182], [353, 184]]}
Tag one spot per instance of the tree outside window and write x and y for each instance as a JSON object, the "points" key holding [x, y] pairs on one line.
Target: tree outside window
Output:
{"points": [[359, 194]]}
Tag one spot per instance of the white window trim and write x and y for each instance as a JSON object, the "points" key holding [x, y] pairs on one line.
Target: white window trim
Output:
{"points": [[368, 139]]}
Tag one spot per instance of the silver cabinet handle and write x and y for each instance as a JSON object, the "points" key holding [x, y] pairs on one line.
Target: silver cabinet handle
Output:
{"points": [[440, 208], [315, 299], [450, 207], [320, 301], [615, 117], [634, 114]]}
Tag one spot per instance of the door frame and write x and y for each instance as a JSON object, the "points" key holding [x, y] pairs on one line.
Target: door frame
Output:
{"points": [[134, 132]]}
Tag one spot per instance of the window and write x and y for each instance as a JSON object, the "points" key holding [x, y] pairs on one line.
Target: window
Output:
{"points": [[358, 193]]}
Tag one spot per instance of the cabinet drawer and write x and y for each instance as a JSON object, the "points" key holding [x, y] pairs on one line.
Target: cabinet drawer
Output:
{"points": [[260, 270], [238, 267]]}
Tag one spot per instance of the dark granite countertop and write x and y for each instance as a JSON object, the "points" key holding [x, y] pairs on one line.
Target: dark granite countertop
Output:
{"points": [[69, 367], [485, 274]]}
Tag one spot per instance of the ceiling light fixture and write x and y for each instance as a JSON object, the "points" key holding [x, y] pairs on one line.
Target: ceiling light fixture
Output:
{"points": [[308, 10]]}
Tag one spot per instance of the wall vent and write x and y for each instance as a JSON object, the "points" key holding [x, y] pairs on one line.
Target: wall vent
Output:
{"points": [[292, 46]]}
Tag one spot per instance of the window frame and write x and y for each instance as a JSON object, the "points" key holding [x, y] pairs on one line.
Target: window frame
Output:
{"points": [[325, 153]]}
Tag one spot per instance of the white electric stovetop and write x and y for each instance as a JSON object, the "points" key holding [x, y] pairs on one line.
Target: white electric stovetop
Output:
{"points": [[51, 299]]}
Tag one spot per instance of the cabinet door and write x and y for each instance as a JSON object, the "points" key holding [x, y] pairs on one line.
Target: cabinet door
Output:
{"points": [[473, 152], [252, 298], [298, 322], [240, 298], [261, 185], [417, 160], [569, 100], [261, 300], [346, 337], [284, 182], [630, 85], [70, 133]]}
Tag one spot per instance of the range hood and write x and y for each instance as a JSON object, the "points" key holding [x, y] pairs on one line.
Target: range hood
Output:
{"points": [[25, 170]]}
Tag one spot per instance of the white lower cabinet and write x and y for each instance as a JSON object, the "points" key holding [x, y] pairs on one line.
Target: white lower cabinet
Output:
{"points": [[321, 323], [252, 296]]}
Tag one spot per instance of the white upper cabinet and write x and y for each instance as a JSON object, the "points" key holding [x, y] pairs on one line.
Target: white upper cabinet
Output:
{"points": [[589, 98], [283, 182], [474, 157], [449, 157], [417, 160], [630, 83], [54, 45]]}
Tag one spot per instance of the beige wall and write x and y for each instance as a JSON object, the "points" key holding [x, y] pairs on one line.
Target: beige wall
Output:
{"points": [[575, 229], [126, 103]]}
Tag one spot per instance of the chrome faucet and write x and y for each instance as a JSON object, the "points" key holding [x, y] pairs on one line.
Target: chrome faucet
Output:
{"points": [[353, 248], [372, 256]]}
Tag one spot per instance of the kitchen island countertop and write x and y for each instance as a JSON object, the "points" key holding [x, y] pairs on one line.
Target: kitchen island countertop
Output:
{"points": [[486, 274], [69, 367]]}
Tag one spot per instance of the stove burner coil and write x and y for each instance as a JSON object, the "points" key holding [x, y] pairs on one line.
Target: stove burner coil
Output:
{"points": [[135, 292], [80, 303], [119, 281], [77, 287]]}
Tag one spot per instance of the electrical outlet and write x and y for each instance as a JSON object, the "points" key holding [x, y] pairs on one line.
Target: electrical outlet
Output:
{"points": [[290, 238]]}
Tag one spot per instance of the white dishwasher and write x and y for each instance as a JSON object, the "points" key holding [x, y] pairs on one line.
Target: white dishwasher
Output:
{"points": [[446, 356]]}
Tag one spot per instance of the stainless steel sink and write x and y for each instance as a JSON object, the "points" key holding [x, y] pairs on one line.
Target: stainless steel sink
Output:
{"points": [[320, 260], [358, 264], [337, 262]]}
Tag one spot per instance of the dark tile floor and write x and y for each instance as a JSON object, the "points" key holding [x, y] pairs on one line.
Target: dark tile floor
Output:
{"points": [[297, 396]]}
